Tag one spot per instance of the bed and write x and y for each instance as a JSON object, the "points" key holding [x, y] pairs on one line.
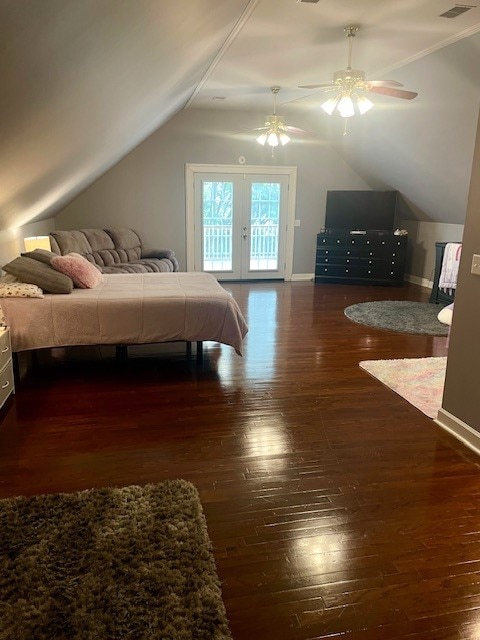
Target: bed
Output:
{"points": [[129, 309]]}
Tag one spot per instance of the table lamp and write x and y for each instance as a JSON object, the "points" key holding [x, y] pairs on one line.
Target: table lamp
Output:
{"points": [[37, 242]]}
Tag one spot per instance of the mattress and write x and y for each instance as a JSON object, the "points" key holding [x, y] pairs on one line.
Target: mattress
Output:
{"points": [[139, 308]]}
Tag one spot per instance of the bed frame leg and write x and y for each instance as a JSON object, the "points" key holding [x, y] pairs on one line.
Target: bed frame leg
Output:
{"points": [[16, 367], [189, 349], [121, 352], [199, 352]]}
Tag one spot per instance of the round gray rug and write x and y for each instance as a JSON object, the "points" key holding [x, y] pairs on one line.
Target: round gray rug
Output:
{"points": [[399, 315]]}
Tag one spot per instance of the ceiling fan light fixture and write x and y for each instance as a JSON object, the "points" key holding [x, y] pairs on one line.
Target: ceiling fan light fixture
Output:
{"points": [[275, 131], [272, 139], [345, 107], [364, 104], [350, 84], [329, 105]]}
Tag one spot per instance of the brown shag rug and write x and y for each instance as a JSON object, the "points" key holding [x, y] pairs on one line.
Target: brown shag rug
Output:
{"points": [[129, 563]]}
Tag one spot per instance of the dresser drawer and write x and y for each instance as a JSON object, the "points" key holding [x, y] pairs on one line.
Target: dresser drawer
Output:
{"points": [[360, 270], [6, 382], [5, 350]]}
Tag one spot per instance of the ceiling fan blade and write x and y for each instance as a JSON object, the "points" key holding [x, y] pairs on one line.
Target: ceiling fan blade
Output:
{"points": [[314, 86], [297, 131], [395, 93], [383, 83]]}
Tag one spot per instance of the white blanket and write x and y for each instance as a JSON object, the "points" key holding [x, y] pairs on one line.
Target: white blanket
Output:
{"points": [[450, 264], [139, 308]]}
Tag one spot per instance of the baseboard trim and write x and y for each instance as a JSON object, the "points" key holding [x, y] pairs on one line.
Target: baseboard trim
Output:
{"points": [[423, 282], [296, 277], [461, 430]]}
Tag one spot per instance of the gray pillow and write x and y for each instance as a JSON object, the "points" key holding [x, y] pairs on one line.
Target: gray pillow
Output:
{"points": [[42, 255], [35, 272]]}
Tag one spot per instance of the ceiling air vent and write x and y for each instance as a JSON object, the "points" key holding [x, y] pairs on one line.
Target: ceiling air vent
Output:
{"points": [[308, 1], [457, 10]]}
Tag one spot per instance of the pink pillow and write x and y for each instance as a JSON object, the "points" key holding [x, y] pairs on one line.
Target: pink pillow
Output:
{"points": [[83, 273]]}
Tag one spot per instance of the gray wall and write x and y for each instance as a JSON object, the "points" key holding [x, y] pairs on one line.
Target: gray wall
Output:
{"points": [[422, 239], [146, 189], [423, 148], [461, 393]]}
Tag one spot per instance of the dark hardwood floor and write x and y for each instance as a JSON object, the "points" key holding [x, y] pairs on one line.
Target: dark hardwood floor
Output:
{"points": [[336, 509]]}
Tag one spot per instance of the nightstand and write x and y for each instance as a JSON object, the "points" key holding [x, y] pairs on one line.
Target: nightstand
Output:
{"points": [[6, 368]]}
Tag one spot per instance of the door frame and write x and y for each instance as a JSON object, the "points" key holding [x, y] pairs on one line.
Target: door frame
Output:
{"points": [[192, 169]]}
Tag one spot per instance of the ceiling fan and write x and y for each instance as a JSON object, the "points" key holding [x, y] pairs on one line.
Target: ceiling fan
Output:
{"points": [[275, 131], [350, 87]]}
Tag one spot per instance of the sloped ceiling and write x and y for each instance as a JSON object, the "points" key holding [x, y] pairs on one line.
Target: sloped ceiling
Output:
{"points": [[425, 151], [84, 81]]}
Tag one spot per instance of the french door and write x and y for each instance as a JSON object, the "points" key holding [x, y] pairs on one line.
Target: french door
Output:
{"points": [[240, 221]]}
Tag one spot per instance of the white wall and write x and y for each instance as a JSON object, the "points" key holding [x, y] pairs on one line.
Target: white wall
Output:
{"points": [[146, 190]]}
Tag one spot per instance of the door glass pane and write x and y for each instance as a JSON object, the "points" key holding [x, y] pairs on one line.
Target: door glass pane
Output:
{"points": [[264, 226], [217, 217]]}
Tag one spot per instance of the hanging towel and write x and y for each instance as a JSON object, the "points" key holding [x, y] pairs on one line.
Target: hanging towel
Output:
{"points": [[450, 262]]}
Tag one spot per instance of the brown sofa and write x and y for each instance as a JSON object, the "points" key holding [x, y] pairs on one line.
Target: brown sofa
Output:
{"points": [[113, 250]]}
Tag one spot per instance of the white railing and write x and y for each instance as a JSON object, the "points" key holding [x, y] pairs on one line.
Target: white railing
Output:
{"points": [[264, 242], [217, 242]]}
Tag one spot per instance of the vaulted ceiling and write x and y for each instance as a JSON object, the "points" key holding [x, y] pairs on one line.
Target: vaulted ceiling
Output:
{"points": [[84, 82]]}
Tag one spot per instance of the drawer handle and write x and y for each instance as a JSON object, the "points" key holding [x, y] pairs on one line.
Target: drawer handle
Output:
{"points": [[5, 384], [5, 349]]}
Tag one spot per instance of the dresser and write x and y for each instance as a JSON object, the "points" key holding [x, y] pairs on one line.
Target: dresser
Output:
{"points": [[371, 257], [6, 367]]}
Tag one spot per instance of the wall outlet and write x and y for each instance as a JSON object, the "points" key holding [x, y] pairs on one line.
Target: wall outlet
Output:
{"points": [[475, 265], [297, 223]]}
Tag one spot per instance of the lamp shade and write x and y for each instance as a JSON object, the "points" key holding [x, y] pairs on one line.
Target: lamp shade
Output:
{"points": [[347, 104], [37, 242]]}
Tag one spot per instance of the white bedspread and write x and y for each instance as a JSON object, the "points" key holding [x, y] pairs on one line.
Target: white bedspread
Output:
{"points": [[137, 308]]}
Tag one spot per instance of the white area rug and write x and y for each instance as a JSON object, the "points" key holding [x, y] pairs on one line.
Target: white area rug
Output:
{"points": [[418, 380]]}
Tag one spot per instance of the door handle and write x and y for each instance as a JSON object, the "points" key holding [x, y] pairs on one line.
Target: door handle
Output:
{"points": [[244, 236]]}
